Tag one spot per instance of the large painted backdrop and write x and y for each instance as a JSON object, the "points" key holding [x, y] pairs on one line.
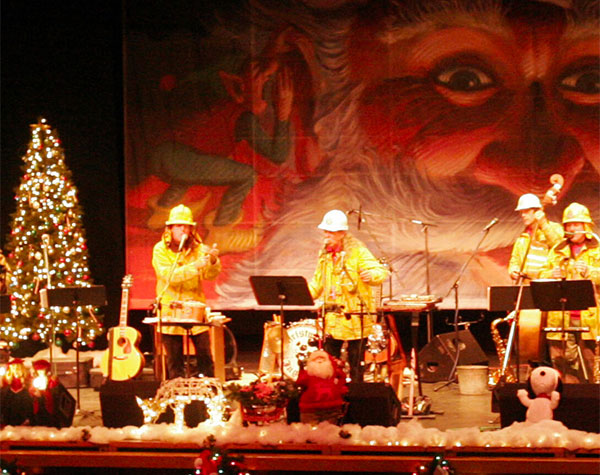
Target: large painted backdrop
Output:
{"points": [[262, 115]]}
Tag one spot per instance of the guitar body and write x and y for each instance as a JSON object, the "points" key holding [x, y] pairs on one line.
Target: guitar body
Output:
{"points": [[122, 360]]}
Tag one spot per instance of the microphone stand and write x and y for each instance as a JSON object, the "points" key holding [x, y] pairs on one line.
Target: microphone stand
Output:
{"points": [[158, 308], [455, 285], [384, 259], [513, 334], [45, 242], [425, 231]]}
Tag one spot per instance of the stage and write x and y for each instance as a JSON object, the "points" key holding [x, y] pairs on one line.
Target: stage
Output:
{"points": [[461, 429]]}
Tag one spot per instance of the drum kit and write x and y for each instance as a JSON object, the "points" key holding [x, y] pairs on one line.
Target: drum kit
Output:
{"points": [[299, 340]]}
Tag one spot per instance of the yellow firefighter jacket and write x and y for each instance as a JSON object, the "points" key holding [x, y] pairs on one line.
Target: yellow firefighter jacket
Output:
{"points": [[339, 282], [560, 255], [547, 235], [185, 282]]}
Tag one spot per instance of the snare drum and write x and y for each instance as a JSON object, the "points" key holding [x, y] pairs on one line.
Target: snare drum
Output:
{"points": [[300, 342], [188, 310]]}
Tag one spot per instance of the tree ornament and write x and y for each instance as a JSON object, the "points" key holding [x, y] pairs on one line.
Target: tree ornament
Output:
{"points": [[68, 332], [35, 337]]}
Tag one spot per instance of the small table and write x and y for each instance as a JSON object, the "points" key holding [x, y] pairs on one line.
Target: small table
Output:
{"points": [[217, 342], [414, 307]]}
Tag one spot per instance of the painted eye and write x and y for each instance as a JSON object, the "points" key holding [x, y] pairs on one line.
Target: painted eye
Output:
{"points": [[464, 79], [586, 81]]}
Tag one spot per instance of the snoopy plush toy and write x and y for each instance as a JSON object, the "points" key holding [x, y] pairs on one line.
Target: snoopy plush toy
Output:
{"points": [[546, 384]]}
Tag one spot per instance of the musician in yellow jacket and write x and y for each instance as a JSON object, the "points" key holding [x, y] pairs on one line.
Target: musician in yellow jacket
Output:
{"points": [[528, 257], [345, 274], [181, 262], [576, 257], [547, 234]]}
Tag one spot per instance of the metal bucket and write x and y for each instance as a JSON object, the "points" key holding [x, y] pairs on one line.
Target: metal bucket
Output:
{"points": [[472, 379]]}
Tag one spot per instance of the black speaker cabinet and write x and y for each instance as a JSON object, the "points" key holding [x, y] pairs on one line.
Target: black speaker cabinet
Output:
{"points": [[120, 408], [578, 409], [436, 358], [372, 404]]}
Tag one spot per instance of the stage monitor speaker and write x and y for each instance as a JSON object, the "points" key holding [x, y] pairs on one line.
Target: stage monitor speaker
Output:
{"points": [[578, 409], [436, 358], [372, 404], [120, 408]]}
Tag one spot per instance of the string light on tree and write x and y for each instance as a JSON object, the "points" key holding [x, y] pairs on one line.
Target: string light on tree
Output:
{"points": [[46, 247]]}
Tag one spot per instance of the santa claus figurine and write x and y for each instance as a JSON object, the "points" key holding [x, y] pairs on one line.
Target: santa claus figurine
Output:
{"points": [[323, 385]]}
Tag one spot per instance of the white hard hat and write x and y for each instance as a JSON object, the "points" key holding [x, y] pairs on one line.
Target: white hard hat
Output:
{"points": [[334, 220], [528, 201]]}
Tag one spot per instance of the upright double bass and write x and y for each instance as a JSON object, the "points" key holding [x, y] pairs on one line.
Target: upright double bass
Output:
{"points": [[525, 324]]}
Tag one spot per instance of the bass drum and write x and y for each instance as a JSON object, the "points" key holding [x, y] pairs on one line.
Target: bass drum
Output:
{"points": [[300, 340]]}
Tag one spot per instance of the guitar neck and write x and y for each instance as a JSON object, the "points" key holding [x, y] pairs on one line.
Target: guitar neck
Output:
{"points": [[124, 307]]}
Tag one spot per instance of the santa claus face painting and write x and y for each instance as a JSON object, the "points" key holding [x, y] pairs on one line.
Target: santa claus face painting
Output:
{"points": [[504, 96]]}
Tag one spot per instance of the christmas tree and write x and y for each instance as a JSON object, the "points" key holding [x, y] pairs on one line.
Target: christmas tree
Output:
{"points": [[47, 249]]}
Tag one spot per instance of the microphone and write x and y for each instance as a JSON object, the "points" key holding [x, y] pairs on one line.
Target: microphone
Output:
{"points": [[421, 223], [491, 224], [360, 214], [182, 242]]}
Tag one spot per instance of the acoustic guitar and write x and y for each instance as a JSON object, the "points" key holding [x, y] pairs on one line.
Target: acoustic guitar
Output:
{"points": [[123, 360]]}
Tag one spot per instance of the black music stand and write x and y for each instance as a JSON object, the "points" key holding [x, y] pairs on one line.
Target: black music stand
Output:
{"points": [[504, 297], [281, 290], [74, 297], [562, 295], [4, 303]]}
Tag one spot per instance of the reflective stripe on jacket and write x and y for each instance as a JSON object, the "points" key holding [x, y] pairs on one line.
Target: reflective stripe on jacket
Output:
{"points": [[547, 235]]}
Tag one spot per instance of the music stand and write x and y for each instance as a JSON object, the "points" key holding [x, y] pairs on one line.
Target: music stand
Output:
{"points": [[562, 295], [281, 290], [502, 298], [74, 297], [4, 303]]}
